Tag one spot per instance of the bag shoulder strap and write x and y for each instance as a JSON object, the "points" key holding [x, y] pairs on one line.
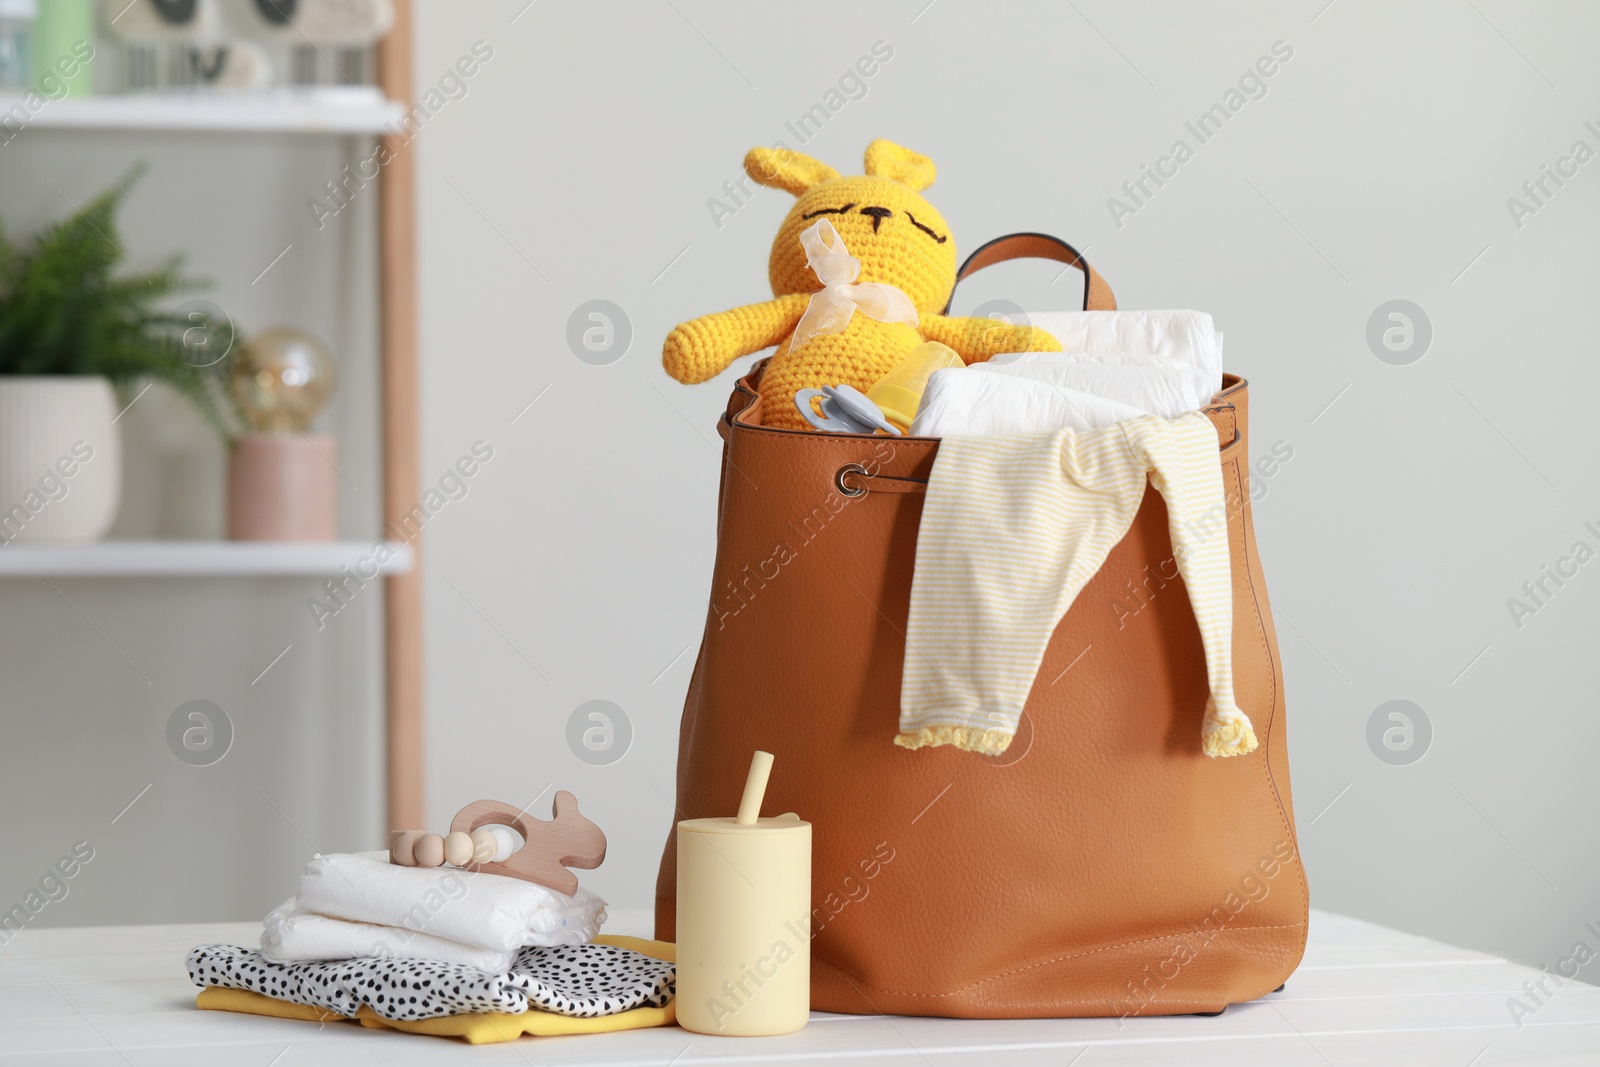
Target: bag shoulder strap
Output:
{"points": [[1097, 295]]}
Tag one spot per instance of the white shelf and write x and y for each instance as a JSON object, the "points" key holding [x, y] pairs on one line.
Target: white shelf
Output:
{"points": [[328, 109], [198, 558]]}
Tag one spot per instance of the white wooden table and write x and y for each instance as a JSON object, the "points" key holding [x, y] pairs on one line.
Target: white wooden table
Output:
{"points": [[1364, 995]]}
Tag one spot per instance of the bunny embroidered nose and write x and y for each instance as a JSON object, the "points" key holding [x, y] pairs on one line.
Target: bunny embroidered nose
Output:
{"points": [[878, 215], [830, 308]]}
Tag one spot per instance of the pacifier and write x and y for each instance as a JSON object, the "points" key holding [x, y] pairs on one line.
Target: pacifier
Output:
{"points": [[845, 409]]}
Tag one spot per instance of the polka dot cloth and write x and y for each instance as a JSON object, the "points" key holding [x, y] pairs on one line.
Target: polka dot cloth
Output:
{"points": [[584, 981]]}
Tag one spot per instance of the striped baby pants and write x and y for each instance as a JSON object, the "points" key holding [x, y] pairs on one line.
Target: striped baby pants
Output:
{"points": [[1012, 528]]}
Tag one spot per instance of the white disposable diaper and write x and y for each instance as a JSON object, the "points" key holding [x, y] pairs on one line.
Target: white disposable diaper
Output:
{"points": [[1115, 365], [1169, 345], [967, 403]]}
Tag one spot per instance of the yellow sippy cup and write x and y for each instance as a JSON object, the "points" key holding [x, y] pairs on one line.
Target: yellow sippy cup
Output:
{"points": [[744, 923], [899, 392]]}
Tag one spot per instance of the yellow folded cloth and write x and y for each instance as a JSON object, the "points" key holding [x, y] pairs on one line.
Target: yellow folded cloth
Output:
{"points": [[478, 1029]]}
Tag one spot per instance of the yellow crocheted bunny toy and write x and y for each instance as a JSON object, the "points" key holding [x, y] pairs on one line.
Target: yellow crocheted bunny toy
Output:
{"points": [[902, 244]]}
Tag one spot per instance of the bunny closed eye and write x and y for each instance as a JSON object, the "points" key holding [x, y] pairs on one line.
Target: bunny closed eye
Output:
{"points": [[927, 229]]}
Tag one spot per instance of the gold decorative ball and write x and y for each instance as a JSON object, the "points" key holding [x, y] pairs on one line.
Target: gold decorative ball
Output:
{"points": [[282, 379]]}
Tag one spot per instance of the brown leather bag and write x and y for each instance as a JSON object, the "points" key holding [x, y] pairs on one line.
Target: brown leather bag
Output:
{"points": [[1102, 866]]}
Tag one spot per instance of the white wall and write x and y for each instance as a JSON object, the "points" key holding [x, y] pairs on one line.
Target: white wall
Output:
{"points": [[579, 164]]}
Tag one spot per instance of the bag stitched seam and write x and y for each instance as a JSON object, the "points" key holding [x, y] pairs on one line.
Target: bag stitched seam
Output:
{"points": [[1247, 529]]}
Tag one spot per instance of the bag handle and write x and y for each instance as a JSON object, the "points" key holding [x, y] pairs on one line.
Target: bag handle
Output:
{"points": [[1097, 295]]}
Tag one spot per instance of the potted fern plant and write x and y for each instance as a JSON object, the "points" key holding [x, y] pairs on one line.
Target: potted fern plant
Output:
{"points": [[75, 332]]}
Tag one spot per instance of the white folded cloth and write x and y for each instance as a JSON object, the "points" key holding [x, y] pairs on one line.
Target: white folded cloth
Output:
{"points": [[1152, 390], [291, 935], [1116, 365], [490, 911], [964, 402], [1178, 347]]}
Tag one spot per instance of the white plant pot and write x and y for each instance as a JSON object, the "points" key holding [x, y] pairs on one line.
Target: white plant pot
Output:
{"points": [[60, 458]]}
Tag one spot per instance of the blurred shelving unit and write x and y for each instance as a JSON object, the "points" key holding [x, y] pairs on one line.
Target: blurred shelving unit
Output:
{"points": [[156, 559], [349, 111], [322, 109]]}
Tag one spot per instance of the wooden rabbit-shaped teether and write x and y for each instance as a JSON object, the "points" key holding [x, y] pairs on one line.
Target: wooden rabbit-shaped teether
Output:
{"points": [[550, 846]]}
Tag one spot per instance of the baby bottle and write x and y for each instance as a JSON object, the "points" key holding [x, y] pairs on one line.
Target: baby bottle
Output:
{"points": [[899, 392]]}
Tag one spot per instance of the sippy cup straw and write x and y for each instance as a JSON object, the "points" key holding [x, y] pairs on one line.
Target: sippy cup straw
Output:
{"points": [[755, 787]]}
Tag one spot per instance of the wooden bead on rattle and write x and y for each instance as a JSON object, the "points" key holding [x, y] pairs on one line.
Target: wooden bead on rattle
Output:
{"points": [[402, 844], [488, 844], [457, 849], [429, 850]]}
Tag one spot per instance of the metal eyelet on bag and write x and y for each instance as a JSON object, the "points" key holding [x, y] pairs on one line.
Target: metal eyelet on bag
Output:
{"points": [[850, 468]]}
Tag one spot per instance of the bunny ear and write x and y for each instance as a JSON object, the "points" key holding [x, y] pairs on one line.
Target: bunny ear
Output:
{"points": [[885, 159], [779, 168]]}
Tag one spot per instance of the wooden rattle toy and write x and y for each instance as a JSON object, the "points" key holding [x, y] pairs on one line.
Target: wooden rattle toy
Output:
{"points": [[479, 841]]}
